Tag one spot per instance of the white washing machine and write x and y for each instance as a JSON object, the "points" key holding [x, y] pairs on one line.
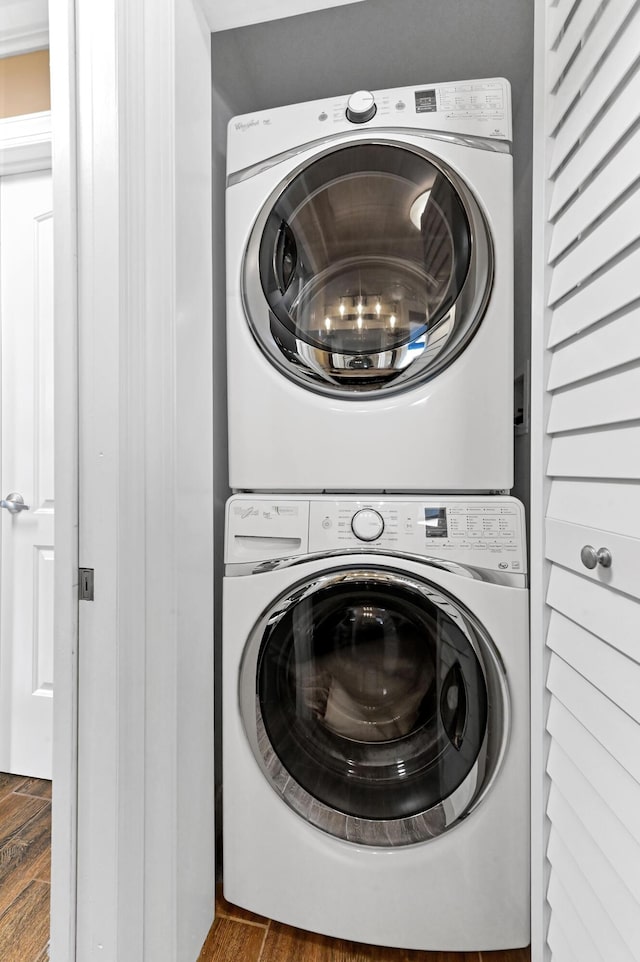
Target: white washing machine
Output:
{"points": [[375, 718], [370, 302]]}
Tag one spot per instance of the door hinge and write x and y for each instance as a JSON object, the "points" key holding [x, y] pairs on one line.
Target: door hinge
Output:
{"points": [[85, 584]]}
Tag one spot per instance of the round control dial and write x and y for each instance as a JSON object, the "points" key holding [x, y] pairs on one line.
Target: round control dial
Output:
{"points": [[367, 524], [361, 106]]}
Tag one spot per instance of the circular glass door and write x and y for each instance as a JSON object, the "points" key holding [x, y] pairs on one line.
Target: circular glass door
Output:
{"points": [[375, 704], [368, 271]]}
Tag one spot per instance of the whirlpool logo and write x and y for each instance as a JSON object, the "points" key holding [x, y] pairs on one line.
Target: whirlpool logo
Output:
{"points": [[245, 125]]}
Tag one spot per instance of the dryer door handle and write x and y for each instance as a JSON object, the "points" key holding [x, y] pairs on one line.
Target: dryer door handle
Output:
{"points": [[285, 257]]}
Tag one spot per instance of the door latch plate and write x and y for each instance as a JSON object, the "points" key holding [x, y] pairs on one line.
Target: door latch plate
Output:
{"points": [[85, 584]]}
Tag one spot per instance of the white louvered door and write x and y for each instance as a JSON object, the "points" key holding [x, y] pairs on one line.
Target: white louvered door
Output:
{"points": [[586, 355]]}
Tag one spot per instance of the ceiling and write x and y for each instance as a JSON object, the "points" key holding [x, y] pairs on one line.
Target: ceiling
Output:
{"points": [[239, 13]]}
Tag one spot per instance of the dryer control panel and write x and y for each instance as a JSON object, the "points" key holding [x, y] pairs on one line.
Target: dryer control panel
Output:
{"points": [[483, 532], [470, 108]]}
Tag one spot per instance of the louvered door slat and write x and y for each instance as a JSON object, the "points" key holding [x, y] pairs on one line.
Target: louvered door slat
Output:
{"points": [[570, 43], [607, 187], [617, 844], [612, 506], [611, 672], [612, 344], [614, 125], [603, 297], [561, 949], [575, 931], [606, 241], [601, 929], [610, 726], [610, 780], [610, 453], [559, 18], [614, 618], [596, 42], [611, 399], [613, 896]]}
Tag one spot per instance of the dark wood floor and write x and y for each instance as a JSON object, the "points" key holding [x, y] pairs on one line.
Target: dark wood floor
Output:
{"points": [[25, 868], [25, 878], [237, 934]]}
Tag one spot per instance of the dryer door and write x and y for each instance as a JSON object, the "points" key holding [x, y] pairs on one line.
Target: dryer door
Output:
{"points": [[376, 705], [368, 270]]}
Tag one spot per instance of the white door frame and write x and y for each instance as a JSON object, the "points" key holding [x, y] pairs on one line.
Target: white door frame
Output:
{"points": [[145, 859], [65, 728], [540, 486]]}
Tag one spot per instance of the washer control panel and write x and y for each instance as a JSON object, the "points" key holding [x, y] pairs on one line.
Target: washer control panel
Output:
{"points": [[486, 532]]}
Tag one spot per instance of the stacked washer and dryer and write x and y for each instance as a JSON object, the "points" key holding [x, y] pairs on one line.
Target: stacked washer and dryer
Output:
{"points": [[375, 637]]}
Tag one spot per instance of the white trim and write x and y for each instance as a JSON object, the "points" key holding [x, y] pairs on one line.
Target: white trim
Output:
{"points": [[145, 748], [540, 486], [102, 626], [24, 41], [25, 143], [61, 126]]}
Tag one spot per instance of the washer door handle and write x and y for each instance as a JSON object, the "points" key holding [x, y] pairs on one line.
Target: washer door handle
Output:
{"points": [[453, 706]]}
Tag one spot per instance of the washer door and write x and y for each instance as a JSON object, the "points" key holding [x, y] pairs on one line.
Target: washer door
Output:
{"points": [[375, 704], [367, 271]]}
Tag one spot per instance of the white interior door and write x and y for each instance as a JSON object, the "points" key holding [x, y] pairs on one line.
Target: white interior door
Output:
{"points": [[26, 470], [587, 326]]}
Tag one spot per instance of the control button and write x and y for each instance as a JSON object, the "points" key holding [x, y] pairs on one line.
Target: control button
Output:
{"points": [[361, 107], [326, 523], [323, 116], [503, 564], [367, 524], [401, 105]]}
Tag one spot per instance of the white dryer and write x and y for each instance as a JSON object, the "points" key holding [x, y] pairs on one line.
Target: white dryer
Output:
{"points": [[375, 718], [370, 302]]}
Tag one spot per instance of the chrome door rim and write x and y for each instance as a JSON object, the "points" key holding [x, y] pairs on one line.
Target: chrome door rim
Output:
{"points": [[464, 317], [424, 825]]}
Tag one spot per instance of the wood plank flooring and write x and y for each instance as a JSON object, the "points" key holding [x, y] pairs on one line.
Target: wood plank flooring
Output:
{"points": [[25, 877], [25, 868], [238, 934]]}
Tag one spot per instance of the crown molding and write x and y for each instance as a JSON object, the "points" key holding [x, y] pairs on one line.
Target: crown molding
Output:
{"points": [[25, 27], [25, 143]]}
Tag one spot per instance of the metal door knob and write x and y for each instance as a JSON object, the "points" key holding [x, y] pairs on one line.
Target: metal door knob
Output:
{"points": [[590, 557], [14, 503]]}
